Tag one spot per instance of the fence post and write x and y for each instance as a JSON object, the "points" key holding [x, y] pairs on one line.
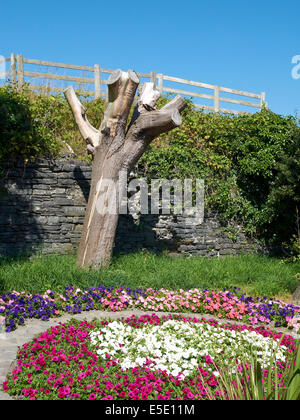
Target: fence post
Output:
{"points": [[97, 76], [263, 100], [160, 83], [20, 71], [13, 69], [217, 99], [153, 77]]}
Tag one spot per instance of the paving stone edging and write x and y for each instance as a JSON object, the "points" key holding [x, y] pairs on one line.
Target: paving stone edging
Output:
{"points": [[10, 343]]}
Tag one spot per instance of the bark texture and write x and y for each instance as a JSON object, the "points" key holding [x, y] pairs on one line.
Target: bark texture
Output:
{"points": [[116, 147]]}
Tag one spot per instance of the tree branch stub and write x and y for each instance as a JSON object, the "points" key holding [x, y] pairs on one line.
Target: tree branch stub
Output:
{"points": [[90, 134], [121, 92]]}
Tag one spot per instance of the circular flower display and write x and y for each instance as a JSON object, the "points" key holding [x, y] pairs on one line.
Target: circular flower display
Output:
{"points": [[139, 358]]}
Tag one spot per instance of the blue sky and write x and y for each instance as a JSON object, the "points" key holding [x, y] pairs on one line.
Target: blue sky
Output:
{"points": [[245, 45]]}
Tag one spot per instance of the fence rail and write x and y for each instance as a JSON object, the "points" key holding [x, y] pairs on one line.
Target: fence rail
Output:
{"points": [[94, 81]]}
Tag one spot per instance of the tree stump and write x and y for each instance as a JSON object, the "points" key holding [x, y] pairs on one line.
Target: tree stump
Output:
{"points": [[116, 147]]}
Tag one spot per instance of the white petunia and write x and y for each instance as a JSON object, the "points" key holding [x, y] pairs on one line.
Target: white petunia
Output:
{"points": [[178, 346]]}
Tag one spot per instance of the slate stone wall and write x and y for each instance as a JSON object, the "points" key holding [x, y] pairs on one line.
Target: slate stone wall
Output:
{"points": [[42, 208]]}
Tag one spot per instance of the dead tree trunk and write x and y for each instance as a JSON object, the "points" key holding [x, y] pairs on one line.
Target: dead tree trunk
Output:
{"points": [[116, 148]]}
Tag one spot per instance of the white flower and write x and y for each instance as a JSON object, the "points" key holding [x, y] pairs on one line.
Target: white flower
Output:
{"points": [[140, 361], [178, 346]]}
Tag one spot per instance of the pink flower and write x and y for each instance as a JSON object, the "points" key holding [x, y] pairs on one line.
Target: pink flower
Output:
{"points": [[108, 397], [5, 386]]}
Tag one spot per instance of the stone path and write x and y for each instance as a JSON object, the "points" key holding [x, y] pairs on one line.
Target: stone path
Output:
{"points": [[9, 343]]}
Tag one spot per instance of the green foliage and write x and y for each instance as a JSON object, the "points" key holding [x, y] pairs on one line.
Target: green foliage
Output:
{"points": [[292, 392], [22, 129], [283, 203], [251, 385], [239, 157], [34, 125], [293, 248]]}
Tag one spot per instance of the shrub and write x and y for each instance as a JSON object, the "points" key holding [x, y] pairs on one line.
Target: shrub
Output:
{"points": [[23, 133], [283, 204], [239, 157], [33, 125]]}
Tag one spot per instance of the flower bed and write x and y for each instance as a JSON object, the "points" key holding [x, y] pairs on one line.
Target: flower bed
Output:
{"points": [[15, 307], [145, 358]]}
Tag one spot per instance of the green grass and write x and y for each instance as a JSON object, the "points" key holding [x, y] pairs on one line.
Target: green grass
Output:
{"points": [[255, 275]]}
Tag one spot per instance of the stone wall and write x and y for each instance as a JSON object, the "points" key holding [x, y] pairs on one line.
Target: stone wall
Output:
{"points": [[42, 208]]}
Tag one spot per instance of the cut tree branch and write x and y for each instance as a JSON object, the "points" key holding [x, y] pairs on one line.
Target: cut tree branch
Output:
{"points": [[148, 123], [154, 123], [90, 134], [146, 101], [177, 103], [121, 92]]}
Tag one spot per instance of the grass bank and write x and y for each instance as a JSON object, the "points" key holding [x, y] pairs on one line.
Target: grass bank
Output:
{"points": [[255, 275]]}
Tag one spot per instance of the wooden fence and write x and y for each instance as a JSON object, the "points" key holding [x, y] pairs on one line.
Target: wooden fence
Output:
{"points": [[204, 96]]}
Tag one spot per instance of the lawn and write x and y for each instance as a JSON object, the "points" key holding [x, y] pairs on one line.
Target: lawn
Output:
{"points": [[255, 275]]}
